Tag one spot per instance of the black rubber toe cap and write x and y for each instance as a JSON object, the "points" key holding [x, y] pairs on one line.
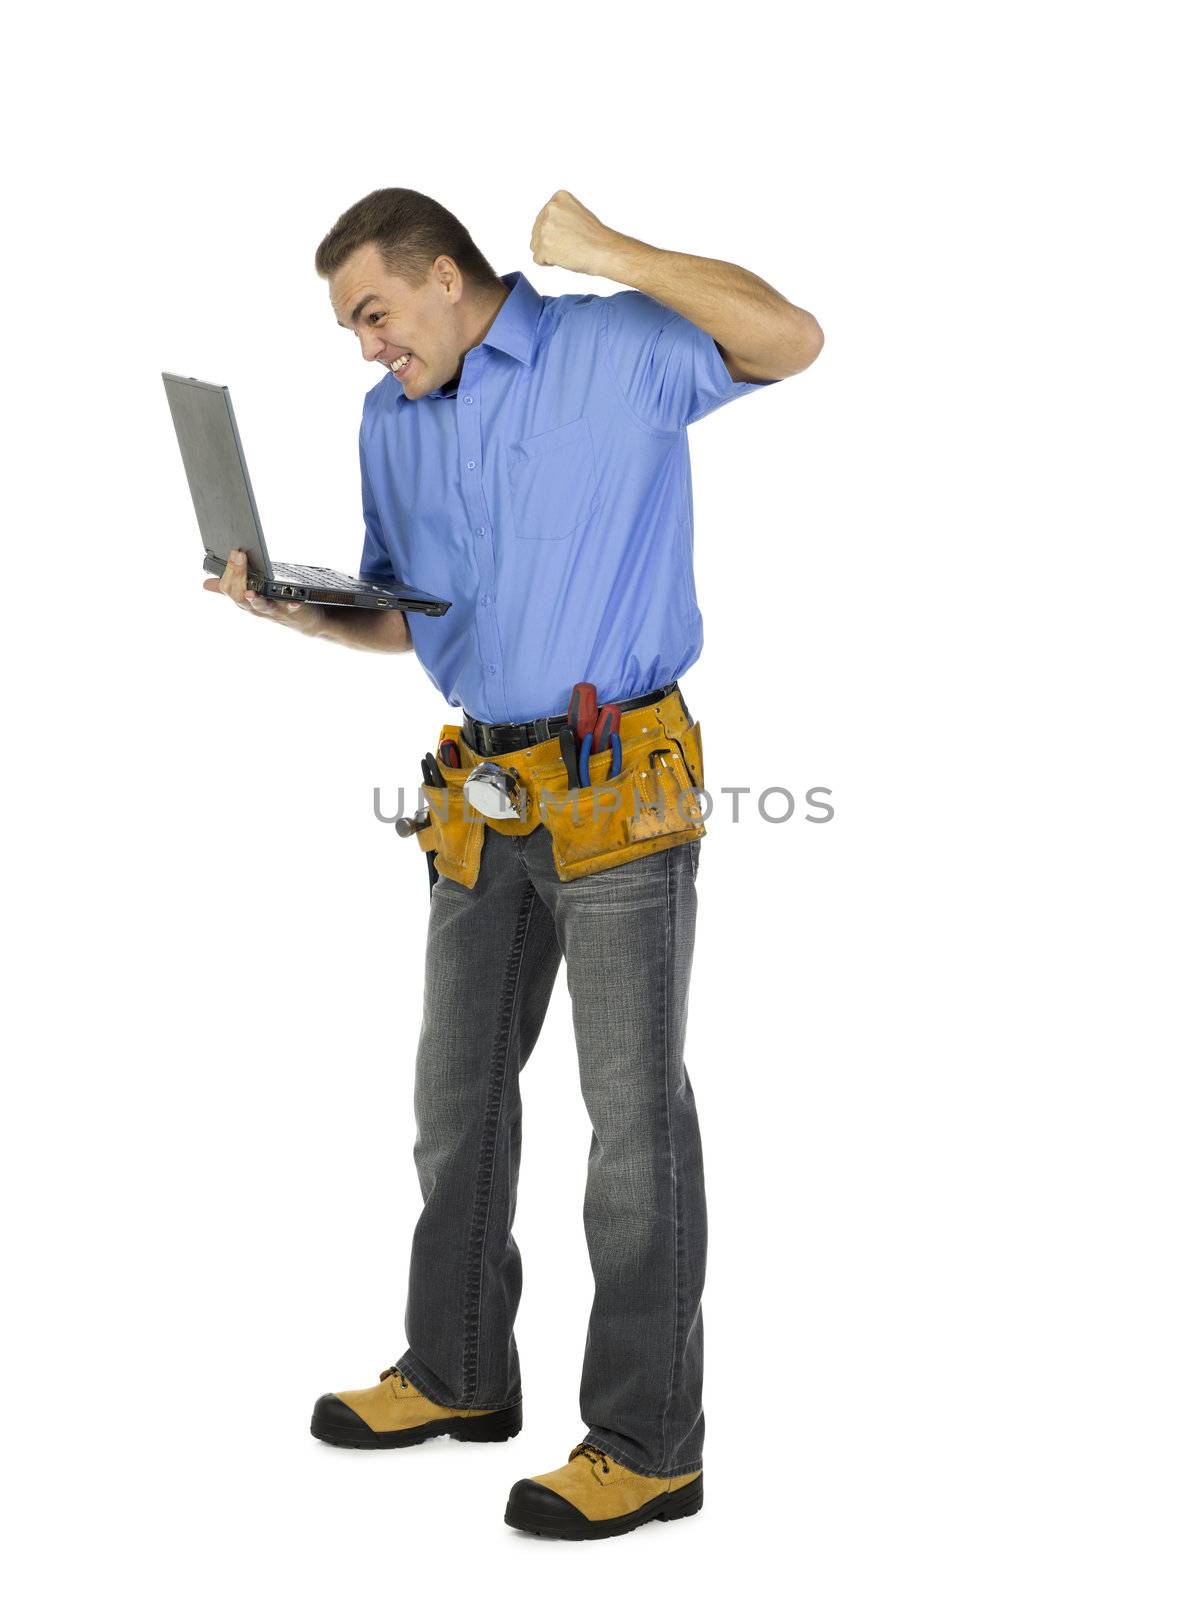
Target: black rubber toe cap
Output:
{"points": [[333, 1421], [533, 1505]]}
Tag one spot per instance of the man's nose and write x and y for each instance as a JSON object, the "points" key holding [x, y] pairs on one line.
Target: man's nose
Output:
{"points": [[372, 346]]}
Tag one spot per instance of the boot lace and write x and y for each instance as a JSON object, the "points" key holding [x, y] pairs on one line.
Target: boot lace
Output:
{"points": [[394, 1372], [594, 1455]]}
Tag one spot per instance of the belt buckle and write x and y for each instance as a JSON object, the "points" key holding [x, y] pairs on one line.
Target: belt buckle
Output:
{"points": [[495, 737]]}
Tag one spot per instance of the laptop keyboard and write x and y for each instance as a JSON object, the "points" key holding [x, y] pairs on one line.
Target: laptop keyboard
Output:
{"points": [[321, 578]]}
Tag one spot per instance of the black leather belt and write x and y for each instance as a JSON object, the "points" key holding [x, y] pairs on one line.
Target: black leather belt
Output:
{"points": [[496, 738]]}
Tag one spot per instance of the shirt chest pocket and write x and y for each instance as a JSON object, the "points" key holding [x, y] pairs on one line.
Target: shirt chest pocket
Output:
{"points": [[552, 480]]}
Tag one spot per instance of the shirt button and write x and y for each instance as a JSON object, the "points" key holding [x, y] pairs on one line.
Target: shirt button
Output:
{"points": [[486, 599], [491, 666], [479, 532], [468, 399], [470, 464]]}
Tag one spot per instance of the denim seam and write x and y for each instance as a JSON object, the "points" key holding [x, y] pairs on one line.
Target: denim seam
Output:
{"points": [[676, 1209], [416, 1372], [472, 1286]]}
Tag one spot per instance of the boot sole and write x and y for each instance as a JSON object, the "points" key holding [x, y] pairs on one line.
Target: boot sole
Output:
{"points": [[492, 1428], [668, 1507]]}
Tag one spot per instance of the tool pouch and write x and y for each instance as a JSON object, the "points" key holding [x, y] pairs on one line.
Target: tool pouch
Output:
{"points": [[650, 805], [455, 831]]}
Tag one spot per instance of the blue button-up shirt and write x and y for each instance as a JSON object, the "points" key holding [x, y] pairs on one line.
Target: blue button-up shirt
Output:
{"points": [[548, 496]]}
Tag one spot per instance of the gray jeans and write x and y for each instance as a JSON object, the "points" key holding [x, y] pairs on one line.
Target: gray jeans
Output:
{"points": [[493, 951]]}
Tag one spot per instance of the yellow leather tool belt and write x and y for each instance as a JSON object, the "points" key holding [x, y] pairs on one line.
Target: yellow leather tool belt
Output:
{"points": [[650, 805]]}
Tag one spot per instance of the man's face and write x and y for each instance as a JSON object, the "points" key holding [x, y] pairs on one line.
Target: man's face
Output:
{"points": [[392, 319]]}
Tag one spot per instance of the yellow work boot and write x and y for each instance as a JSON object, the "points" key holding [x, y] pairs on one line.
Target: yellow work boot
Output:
{"points": [[592, 1497], [395, 1412]]}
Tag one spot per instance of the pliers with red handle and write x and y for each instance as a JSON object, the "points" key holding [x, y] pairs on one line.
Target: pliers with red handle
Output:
{"points": [[594, 729], [605, 733]]}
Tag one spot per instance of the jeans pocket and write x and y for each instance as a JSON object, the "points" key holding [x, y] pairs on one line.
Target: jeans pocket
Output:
{"points": [[552, 481]]}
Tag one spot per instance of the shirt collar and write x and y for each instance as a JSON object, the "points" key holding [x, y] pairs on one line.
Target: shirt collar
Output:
{"points": [[513, 328], [516, 321]]}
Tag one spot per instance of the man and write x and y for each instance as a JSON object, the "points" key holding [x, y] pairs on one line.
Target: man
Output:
{"points": [[525, 456]]}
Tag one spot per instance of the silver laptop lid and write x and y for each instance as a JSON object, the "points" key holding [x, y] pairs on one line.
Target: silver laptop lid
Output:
{"points": [[216, 470]]}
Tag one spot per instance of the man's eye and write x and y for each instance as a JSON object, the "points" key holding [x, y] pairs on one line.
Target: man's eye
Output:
{"points": [[373, 316]]}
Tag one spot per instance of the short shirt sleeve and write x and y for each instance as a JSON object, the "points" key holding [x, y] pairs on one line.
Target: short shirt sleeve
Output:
{"points": [[375, 565], [670, 372]]}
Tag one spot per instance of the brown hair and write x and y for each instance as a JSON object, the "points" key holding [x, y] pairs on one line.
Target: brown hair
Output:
{"points": [[411, 231]]}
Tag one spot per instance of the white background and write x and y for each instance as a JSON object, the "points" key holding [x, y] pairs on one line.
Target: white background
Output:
{"points": [[942, 1045]]}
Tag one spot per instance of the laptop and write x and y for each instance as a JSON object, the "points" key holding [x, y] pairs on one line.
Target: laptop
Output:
{"points": [[224, 500]]}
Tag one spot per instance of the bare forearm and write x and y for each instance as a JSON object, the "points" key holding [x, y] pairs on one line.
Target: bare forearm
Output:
{"points": [[349, 625], [364, 630], [746, 317]]}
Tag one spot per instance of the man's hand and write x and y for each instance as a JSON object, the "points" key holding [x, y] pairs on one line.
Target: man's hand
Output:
{"points": [[291, 613], [355, 626], [566, 234]]}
